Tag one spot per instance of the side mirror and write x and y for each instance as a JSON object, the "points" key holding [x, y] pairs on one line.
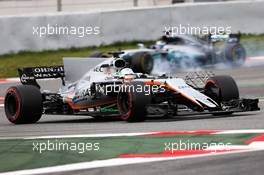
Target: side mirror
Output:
{"points": [[104, 66]]}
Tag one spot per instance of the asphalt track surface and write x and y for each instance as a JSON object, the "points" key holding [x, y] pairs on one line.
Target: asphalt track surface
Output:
{"points": [[234, 164], [251, 84]]}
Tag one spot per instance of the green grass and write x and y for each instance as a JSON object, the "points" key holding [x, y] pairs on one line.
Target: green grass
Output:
{"points": [[9, 63], [254, 44], [18, 154]]}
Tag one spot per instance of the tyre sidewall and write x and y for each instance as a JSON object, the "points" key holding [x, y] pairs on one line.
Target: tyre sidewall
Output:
{"points": [[29, 104], [137, 105]]}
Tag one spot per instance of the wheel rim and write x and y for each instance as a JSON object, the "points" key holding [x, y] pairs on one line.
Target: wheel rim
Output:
{"points": [[12, 105], [237, 54], [124, 103]]}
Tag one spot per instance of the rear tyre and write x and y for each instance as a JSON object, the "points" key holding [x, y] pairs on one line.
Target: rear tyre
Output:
{"points": [[132, 103], [222, 89], [23, 104], [235, 54], [142, 62]]}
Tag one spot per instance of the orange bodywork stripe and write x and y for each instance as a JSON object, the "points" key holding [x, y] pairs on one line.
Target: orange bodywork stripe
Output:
{"points": [[172, 88], [152, 83], [186, 96]]}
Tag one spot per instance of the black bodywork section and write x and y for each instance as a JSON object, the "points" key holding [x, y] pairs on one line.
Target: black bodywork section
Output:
{"points": [[31, 74]]}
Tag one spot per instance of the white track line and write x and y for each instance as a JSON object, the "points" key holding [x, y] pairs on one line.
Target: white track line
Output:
{"points": [[258, 145], [109, 163], [15, 79], [2, 101], [256, 58], [91, 135], [146, 133], [9, 80], [78, 136], [251, 131]]}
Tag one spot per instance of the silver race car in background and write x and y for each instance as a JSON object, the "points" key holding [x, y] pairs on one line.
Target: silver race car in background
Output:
{"points": [[194, 51], [106, 87], [184, 52]]}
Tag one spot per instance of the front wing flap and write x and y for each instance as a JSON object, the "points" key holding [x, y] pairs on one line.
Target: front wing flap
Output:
{"points": [[242, 105]]}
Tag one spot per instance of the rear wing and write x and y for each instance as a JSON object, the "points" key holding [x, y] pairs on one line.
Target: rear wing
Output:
{"points": [[29, 75]]}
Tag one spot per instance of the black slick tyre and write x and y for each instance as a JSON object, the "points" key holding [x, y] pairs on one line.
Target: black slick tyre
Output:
{"points": [[222, 89], [142, 62], [133, 104], [23, 104]]}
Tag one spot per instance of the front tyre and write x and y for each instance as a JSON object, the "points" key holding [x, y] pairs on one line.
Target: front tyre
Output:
{"points": [[222, 89], [23, 104], [132, 104]]}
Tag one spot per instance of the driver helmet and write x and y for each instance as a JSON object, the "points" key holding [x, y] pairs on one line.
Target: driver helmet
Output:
{"points": [[127, 73], [160, 44]]}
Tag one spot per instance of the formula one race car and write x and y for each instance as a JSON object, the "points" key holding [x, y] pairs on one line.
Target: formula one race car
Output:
{"points": [[193, 51], [196, 51], [186, 51], [111, 88]]}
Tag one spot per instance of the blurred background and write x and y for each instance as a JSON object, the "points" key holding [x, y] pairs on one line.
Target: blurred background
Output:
{"points": [[17, 7], [122, 23]]}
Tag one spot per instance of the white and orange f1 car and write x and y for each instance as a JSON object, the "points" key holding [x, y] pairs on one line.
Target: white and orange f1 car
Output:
{"points": [[109, 87]]}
